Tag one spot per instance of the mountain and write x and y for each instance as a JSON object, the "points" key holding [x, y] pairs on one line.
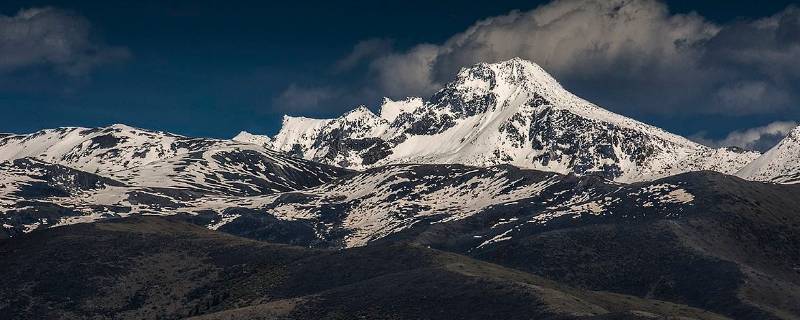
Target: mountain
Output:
{"points": [[70, 175], [510, 112], [501, 196], [704, 239], [781, 164], [163, 268], [252, 138], [159, 159], [701, 239], [100, 150], [232, 169], [701, 243]]}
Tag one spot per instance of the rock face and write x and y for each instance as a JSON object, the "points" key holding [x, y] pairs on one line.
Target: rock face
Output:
{"points": [[781, 164], [511, 112]]}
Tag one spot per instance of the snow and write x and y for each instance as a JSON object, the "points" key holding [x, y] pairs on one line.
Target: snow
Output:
{"points": [[86, 149], [662, 194], [247, 137], [781, 164], [394, 199], [391, 109], [498, 238], [297, 130], [372, 204], [679, 196], [220, 172]]}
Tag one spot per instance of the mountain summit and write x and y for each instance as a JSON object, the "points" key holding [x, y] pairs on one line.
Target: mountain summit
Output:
{"points": [[510, 112], [779, 164]]}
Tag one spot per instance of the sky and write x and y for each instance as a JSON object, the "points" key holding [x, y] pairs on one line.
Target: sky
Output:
{"points": [[719, 72]]}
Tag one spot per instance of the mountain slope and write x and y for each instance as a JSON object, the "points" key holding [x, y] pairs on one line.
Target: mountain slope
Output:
{"points": [[385, 200], [157, 268], [510, 112], [28, 188], [704, 239], [231, 169], [781, 164], [72, 175], [113, 150], [98, 150], [158, 159], [670, 239]]}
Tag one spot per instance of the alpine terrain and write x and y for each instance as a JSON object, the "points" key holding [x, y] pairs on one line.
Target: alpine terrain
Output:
{"points": [[780, 164], [510, 112], [501, 196]]}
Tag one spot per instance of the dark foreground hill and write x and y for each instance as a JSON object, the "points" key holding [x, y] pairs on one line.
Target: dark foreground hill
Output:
{"points": [[734, 249], [163, 268]]}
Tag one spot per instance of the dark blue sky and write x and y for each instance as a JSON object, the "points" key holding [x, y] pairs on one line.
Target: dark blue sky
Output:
{"points": [[214, 68]]}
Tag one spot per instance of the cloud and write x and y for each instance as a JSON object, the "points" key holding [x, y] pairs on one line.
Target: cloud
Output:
{"points": [[54, 39], [582, 38], [299, 99], [636, 42], [770, 46], [401, 74], [739, 97], [759, 138], [363, 50], [632, 56]]}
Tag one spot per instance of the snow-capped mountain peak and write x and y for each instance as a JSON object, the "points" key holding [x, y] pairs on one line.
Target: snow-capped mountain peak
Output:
{"points": [[359, 113], [509, 112], [522, 80], [503, 78], [247, 137], [107, 149]]}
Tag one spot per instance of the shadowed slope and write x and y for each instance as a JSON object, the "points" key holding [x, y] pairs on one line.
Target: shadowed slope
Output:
{"points": [[155, 267]]}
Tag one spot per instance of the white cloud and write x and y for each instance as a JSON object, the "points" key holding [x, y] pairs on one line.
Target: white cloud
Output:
{"points": [[759, 138], [583, 37], [770, 46], [739, 97], [627, 55], [401, 74], [297, 99], [363, 50], [52, 38], [638, 41]]}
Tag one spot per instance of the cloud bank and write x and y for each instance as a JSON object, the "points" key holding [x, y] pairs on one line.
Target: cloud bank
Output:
{"points": [[759, 138], [53, 39], [631, 56], [296, 98]]}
